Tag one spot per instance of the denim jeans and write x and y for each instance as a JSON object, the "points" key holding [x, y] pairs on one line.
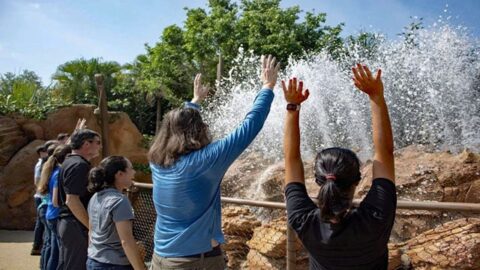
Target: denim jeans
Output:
{"points": [[52, 260], [95, 265], [39, 228], [46, 237]]}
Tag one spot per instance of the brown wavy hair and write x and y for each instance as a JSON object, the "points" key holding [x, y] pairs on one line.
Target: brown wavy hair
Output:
{"points": [[57, 158], [182, 132]]}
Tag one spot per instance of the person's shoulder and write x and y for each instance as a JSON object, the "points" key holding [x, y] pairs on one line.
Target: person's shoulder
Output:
{"points": [[384, 183], [295, 186]]}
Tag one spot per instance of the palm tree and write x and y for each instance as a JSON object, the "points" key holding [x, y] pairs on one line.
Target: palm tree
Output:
{"points": [[76, 79]]}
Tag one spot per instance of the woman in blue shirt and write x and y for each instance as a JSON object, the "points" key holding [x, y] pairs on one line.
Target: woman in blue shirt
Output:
{"points": [[187, 169], [48, 187]]}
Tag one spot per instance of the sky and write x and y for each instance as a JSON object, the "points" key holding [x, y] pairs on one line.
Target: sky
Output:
{"points": [[40, 35]]}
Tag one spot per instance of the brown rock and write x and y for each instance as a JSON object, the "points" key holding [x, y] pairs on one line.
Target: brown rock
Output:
{"points": [[125, 139], [16, 178], [12, 138], [17, 189], [454, 245], [257, 260], [473, 193], [239, 221], [243, 172], [19, 197], [271, 239], [236, 250], [64, 120], [33, 130]]}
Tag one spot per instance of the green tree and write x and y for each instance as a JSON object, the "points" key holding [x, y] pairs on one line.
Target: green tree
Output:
{"points": [[266, 28], [24, 94], [75, 79]]}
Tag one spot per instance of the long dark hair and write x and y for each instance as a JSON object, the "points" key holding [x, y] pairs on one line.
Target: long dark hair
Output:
{"points": [[56, 158], [337, 171], [103, 176], [182, 132]]}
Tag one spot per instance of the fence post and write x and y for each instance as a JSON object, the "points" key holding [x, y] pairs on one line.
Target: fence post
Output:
{"points": [[291, 253]]}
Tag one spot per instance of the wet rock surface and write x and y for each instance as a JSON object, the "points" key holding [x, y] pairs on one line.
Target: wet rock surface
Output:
{"points": [[421, 175]]}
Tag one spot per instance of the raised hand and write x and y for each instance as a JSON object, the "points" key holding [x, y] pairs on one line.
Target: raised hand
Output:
{"points": [[269, 71], [363, 80], [200, 91], [294, 92]]}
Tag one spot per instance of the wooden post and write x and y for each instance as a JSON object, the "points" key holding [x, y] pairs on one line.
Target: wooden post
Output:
{"points": [[102, 105], [219, 69], [158, 120], [291, 253]]}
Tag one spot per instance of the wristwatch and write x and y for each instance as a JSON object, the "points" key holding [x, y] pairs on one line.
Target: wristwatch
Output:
{"points": [[293, 107]]}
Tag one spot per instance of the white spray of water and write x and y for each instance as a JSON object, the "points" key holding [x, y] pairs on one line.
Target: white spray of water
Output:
{"points": [[432, 89]]}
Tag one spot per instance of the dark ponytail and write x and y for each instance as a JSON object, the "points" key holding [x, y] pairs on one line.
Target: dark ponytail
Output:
{"points": [[103, 176], [337, 171]]}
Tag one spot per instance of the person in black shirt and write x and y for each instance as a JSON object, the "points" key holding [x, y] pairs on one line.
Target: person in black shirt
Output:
{"points": [[335, 234], [72, 225]]}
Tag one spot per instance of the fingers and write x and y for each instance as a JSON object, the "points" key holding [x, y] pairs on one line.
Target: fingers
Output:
{"points": [[306, 94], [198, 79], [272, 63], [379, 75], [367, 71], [290, 85], [277, 67], [356, 75], [300, 87], [264, 62], [362, 73], [284, 87]]}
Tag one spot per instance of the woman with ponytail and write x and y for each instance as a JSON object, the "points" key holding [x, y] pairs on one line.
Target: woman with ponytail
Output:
{"points": [[48, 187], [336, 234], [112, 245]]}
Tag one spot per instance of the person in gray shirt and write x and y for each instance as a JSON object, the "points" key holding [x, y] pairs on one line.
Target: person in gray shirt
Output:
{"points": [[112, 245]]}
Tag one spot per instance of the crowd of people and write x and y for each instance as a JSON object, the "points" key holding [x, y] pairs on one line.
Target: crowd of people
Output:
{"points": [[85, 221]]}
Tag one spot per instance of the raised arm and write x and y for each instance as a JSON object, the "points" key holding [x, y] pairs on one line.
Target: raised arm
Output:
{"points": [[230, 147], [200, 92], [383, 161], [294, 95]]}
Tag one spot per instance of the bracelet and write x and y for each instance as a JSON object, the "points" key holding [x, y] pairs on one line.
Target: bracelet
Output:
{"points": [[293, 107]]}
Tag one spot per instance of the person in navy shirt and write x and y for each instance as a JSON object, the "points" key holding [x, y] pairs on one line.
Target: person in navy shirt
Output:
{"points": [[187, 169], [336, 234]]}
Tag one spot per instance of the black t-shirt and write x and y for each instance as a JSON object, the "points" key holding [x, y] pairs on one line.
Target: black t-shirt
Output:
{"points": [[73, 180], [358, 242]]}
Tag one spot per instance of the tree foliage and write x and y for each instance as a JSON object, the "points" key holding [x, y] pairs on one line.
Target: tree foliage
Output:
{"points": [[75, 80], [24, 94], [162, 77]]}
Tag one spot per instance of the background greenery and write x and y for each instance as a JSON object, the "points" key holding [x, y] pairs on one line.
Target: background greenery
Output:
{"points": [[161, 78]]}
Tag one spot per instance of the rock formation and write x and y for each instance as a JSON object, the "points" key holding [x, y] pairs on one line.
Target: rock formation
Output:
{"points": [[18, 138]]}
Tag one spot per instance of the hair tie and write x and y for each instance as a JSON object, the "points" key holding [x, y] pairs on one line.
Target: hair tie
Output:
{"points": [[331, 177]]}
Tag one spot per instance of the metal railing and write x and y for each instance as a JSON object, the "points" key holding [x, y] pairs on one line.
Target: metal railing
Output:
{"points": [[144, 228]]}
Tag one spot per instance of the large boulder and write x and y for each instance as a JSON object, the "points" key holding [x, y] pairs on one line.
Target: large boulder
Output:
{"points": [[12, 139], [17, 163], [453, 245], [65, 119], [238, 224], [17, 189], [434, 176]]}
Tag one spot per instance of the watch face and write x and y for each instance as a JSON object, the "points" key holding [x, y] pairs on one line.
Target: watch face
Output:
{"points": [[293, 107]]}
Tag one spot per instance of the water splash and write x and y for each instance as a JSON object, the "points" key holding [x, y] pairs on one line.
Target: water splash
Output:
{"points": [[432, 89]]}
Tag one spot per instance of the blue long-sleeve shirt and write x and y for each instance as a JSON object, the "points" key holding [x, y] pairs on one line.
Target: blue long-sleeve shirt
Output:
{"points": [[186, 195]]}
